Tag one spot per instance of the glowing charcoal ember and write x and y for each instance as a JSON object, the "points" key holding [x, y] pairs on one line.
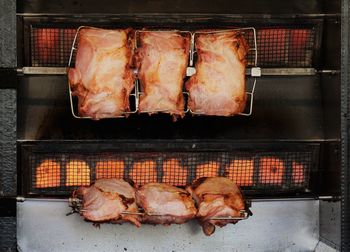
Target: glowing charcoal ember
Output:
{"points": [[272, 43], [77, 173], [241, 171], [110, 169], [298, 176], [299, 46], [143, 172], [47, 174], [271, 171], [174, 173], [209, 169], [45, 44]]}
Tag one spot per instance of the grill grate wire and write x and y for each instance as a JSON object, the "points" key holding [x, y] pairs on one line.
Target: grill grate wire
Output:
{"points": [[262, 172], [277, 47]]}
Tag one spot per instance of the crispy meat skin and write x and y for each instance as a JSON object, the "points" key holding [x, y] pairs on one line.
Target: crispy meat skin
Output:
{"points": [[175, 205], [218, 87], [102, 78], [162, 60], [106, 199], [216, 197]]}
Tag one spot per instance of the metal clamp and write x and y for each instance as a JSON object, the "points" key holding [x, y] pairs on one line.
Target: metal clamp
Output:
{"points": [[72, 53], [255, 71]]}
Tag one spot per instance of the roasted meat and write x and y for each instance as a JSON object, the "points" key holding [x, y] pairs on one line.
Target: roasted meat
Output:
{"points": [[102, 78], [162, 59], [107, 199], [218, 86], [165, 204], [216, 197]]}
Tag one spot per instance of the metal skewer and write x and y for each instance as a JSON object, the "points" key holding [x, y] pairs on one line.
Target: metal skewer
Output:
{"points": [[76, 204]]}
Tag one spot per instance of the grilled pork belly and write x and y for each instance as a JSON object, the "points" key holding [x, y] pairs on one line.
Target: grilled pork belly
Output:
{"points": [[107, 199], [218, 87], [165, 204], [162, 60], [216, 197], [102, 78]]}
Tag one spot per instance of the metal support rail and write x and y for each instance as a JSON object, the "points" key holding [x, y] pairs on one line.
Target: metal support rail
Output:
{"points": [[263, 71]]}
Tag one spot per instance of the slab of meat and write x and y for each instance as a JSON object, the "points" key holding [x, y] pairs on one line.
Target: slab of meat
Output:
{"points": [[216, 197], [102, 78], [167, 203], [218, 87], [106, 199], [162, 61]]}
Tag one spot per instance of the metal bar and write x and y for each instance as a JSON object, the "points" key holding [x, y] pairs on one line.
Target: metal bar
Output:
{"points": [[22, 199], [345, 127], [192, 15], [264, 71], [42, 70], [287, 71]]}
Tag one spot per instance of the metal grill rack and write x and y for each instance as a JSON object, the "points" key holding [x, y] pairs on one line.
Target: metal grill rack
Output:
{"points": [[73, 104], [250, 35], [263, 172]]}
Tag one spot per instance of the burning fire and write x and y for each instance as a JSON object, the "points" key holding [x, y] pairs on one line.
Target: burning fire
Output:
{"points": [[210, 169], [241, 171], [144, 172], [110, 169], [46, 40], [298, 173], [48, 174], [77, 173], [174, 173], [271, 170]]}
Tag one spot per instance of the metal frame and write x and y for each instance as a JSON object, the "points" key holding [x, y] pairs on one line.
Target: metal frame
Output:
{"points": [[345, 126], [255, 71], [73, 51]]}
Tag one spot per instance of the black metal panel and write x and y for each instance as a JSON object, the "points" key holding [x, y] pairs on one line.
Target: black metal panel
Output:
{"points": [[8, 57], [345, 126], [284, 108], [330, 53], [330, 88], [8, 170], [178, 6], [8, 240], [330, 169], [8, 78]]}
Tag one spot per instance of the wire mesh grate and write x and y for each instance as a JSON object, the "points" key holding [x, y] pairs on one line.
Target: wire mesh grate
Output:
{"points": [[277, 47], [260, 172], [285, 47], [51, 46]]}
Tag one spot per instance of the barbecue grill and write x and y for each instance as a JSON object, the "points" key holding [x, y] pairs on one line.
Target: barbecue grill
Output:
{"points": [[288, 152]]}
